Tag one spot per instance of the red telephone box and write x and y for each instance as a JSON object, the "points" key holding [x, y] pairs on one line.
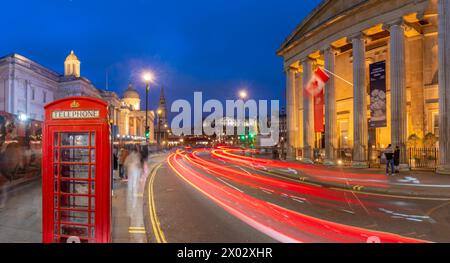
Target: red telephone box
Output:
{"points": [[76, 186]]}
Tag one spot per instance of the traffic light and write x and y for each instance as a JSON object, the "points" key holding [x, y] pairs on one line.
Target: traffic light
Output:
{"points": [[147, 133]]}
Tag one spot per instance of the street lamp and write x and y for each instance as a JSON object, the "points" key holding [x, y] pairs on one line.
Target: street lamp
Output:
{"points": [[243, 94], [148, 78]]}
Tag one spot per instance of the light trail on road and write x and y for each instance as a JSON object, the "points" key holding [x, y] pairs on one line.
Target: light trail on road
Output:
{"points": [[278, 222], [366, 179]]}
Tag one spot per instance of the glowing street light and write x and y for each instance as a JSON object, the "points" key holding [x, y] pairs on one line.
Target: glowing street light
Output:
{"points": [[148, 78], [243, 94]]}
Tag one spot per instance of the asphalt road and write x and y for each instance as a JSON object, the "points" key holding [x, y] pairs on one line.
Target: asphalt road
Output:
{"points": [[195, 197]]}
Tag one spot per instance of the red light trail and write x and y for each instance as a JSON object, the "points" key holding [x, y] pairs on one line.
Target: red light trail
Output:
{"points": [[275, 221]]}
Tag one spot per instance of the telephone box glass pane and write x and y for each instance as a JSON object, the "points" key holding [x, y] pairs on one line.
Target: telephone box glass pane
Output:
{"points": [[75, 217], [92, 156], [75, 139], [92, 171], [74, 171], [74, 187], [56, 186], [55, 155], [78, 231], [75, 155], [92, 138], [75, 202]]}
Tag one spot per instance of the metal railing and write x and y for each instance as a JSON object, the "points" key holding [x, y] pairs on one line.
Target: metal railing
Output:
{"points": [[423, 158]]}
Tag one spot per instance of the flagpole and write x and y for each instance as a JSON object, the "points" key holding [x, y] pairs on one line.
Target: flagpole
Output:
{"points": [[349, 83]]}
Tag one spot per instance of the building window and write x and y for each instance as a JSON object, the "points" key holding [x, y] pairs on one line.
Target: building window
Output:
{"points": [[33, 94], [435, 123], [44, 97]]}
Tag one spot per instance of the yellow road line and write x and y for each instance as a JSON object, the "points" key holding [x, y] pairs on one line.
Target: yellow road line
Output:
{"points": [[136, 228], [137, 232], [159, 235]]}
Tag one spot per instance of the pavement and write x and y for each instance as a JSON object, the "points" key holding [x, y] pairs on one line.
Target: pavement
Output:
{"points": [[21, 216]]}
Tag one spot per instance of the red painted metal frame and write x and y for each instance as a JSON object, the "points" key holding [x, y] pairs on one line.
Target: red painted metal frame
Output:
{"points": [[102, 180]]}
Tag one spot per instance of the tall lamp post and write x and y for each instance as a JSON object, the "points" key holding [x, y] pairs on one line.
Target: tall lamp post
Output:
{"points": [[243, 95], [148, 77]]}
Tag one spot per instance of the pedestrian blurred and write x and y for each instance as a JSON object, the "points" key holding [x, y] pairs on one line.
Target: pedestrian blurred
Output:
{"points": [[133, 170], [123, 154], [3, 191], [275, 154], [397, 159], [115, 162], [389, 154]]}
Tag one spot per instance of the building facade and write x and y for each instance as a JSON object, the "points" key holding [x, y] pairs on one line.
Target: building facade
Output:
{"points": [[410, 39], [26, 86]]}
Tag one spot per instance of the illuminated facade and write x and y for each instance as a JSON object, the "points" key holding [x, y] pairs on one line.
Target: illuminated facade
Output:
{"points": [[26, 86], [411, 38]]}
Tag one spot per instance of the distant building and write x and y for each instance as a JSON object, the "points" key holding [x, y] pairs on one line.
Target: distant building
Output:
{"points": [[26, 86]]}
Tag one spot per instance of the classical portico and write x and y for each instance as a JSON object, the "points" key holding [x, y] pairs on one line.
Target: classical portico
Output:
{"points": [[412, 38]]}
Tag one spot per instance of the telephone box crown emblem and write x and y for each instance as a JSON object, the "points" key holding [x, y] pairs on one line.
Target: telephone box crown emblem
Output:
{"points": [[75, 104]]}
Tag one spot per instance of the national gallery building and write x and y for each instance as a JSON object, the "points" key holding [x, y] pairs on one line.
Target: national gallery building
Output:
{"points": [[26, 86], [389, 68]]}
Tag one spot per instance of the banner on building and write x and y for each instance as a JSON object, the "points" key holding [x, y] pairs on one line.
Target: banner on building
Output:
{"points": [[319, 111], [378, 95]]}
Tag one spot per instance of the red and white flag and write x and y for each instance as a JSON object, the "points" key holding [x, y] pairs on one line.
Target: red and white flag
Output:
{"points": [[317, 83]]}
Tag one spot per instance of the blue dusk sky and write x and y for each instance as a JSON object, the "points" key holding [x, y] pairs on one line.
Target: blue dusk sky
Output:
{"points": [[214, 46]]}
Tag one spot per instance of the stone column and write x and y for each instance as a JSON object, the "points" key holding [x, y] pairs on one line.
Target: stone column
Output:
{"points": [[399, 129], [290, 110], [330, 110], [444, 86], [308, 113], [299, 97], [360, 129]]}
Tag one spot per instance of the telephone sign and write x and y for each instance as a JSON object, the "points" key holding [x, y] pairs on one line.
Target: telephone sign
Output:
{"points": [[76, 165]]}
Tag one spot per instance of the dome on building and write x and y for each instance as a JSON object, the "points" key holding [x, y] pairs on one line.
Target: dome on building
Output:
{"points": [[131, 93], [72, 57]]}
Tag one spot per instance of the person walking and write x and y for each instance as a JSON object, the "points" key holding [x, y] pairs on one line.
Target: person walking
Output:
{"points": [[389, 154], [123, 154], [397, 159]]}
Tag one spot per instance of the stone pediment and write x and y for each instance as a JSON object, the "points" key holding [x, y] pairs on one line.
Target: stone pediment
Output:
{"points": [[327, 10]]}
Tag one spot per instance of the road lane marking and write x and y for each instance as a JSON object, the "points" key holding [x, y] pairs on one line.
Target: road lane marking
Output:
{"points": [[232, 186], [159, 235], [393, 195], [267, 192]]}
